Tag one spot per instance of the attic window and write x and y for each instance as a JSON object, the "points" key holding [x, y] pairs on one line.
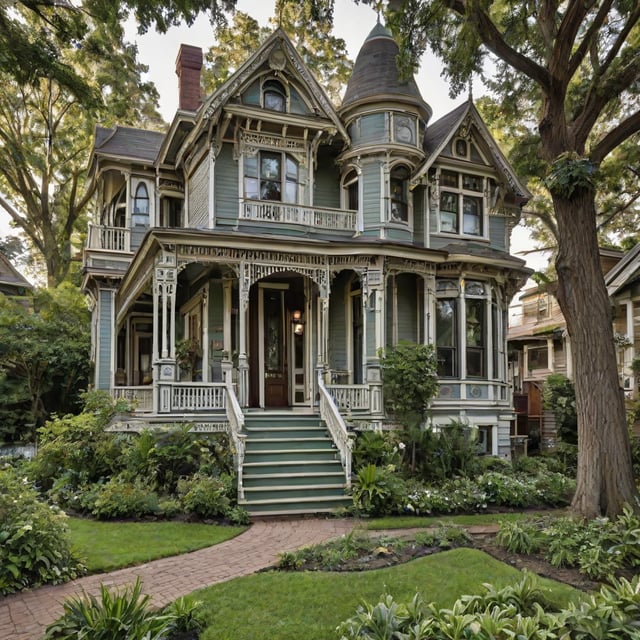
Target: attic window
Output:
{"points": [[461, 148], [274, 96]]}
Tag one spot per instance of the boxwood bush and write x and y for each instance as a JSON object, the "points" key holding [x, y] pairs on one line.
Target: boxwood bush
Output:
{"points": [[34, 547]]}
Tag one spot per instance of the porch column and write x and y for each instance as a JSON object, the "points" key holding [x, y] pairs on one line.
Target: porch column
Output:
{"points": [[164, 303], [323, 334], [227, 304], [244, 285], [429, 283]]}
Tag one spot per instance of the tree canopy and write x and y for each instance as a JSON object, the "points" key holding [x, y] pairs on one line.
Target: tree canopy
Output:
{"points": [[46, 132], [570, 73]]}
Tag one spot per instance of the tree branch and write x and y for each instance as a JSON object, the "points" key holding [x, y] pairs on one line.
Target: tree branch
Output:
{"points": [[615, 137]]}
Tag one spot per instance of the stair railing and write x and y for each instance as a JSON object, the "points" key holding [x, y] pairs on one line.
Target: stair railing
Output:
{"points": [[236, 422], [337, 428]]}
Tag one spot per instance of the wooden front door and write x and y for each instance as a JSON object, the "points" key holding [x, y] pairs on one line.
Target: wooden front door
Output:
{"points": [[274, 346]]}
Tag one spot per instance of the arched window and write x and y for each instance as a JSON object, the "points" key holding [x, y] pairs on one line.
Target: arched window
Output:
{"points": [[350, 186], [274, 96], [140, 217], [398, 194]]}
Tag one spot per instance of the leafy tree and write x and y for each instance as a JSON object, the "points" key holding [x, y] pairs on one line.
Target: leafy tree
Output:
{"points": [[35, 35], [44, 359], [305, 22], [575, 67], [46, 132]]}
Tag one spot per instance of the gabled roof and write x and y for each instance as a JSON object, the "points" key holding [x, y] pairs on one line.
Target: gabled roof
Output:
{"points": [[441, 132], [9, 275], [626, 271], [246, 74], [128, 142], [376, 75]]}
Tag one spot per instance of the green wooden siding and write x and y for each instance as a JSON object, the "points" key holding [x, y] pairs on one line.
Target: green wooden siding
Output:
{"points": [[326, 182], [418, 215], [371, 194], [105, 334], [407, 306], [338, 323], [226, 188], [372, 129], [497, 232]]}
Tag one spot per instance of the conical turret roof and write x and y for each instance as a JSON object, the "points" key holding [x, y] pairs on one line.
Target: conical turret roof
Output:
{"points": [[376, 74]]}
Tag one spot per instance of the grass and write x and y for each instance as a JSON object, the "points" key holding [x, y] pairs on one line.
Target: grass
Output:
{"points": [[310, 605], [105, 546], [412, 522]]}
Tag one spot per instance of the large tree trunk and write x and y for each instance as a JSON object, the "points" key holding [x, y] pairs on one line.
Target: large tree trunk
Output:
{"points": [[605, 474]]}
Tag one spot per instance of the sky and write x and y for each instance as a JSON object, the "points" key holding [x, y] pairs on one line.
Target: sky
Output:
{"points": [[352, 22]]}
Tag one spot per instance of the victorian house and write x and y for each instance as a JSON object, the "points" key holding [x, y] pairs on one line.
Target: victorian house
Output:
{"points": [[248, 265]]}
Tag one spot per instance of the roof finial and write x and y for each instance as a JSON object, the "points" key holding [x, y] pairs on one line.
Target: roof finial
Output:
{"points": [[471, 88], [378, 12]]}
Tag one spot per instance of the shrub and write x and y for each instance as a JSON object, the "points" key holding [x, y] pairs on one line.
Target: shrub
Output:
{"points": [[120, 498], [512, 491], [205, 496], [122, 615], [377, 448], [378, 490], [559, 395], [34, 546]]}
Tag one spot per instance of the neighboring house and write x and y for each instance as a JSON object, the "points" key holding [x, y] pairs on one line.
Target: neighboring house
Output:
{"points": [[250, 263], [539, 344], [12, 284]]}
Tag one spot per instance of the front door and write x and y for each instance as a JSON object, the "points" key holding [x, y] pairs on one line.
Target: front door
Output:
{"points": [[274, 343]]}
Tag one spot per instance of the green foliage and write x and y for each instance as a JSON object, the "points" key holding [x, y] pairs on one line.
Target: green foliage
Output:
{"points": [[559, 395], [375, 489], [125, 615], [570, 173], [379, 448], [120, 498], [34, 545], [44, 359], [410, 381], [205, 496], [521, 611], [599, 548]]}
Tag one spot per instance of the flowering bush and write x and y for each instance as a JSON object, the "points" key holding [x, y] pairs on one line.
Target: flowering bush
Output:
{"points": [[34, 547]]}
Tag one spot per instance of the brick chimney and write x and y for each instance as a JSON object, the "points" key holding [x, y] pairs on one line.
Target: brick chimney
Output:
{"points": [[188, 66]]}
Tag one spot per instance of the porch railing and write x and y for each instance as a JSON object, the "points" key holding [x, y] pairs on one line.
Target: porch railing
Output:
{"points": [[109, 238], [141, 398], [194, 396], [331, 415], [350, 397], [282, 212], [236, 422]]}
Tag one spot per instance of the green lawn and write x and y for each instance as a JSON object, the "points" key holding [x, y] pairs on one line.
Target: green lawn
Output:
{"points": [[105, 546], [309, 605], [411, 522]]}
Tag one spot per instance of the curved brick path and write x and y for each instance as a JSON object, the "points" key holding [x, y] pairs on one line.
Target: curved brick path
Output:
{"points": [[24, 616]]}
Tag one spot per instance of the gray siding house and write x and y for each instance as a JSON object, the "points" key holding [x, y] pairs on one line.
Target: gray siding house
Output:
{"points": [[248, 265]]}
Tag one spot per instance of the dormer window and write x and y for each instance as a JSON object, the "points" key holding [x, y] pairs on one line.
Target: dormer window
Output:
{"points": [[140, 216], [274, 96], [461, 205]]}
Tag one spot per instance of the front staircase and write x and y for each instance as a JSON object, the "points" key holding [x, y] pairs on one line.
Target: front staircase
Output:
{"points": [[291, 466]]}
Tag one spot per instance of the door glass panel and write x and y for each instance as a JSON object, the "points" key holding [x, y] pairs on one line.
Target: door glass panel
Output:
{"points": [[273, 331]]}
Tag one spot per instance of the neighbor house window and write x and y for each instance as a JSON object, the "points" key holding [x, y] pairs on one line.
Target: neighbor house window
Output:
{"points": [[537, 358], [461, 205], [271, 176]]}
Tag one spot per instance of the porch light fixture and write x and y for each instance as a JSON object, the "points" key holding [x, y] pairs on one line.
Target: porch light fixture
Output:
{"points": [[297, 322]]}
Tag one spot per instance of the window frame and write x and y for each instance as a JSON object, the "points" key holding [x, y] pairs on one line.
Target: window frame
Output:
{"points": [[287, 181], [461, 204]]}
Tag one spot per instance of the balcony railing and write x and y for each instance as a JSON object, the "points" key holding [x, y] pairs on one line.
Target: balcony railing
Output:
{"points": [[140, 398], [287, 213], [108, 238], [350, 397], [198, 397]]}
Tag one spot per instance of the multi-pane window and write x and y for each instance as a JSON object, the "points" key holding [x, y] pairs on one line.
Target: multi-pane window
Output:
{"points": [[271, 176], [476, 329], [461, 207]]}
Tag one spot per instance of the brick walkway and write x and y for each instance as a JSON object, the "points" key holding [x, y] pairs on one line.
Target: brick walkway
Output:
{"points": [[24, 616]]}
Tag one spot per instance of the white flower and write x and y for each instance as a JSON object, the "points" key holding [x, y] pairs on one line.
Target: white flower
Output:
{"points": [[401, 446]]}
